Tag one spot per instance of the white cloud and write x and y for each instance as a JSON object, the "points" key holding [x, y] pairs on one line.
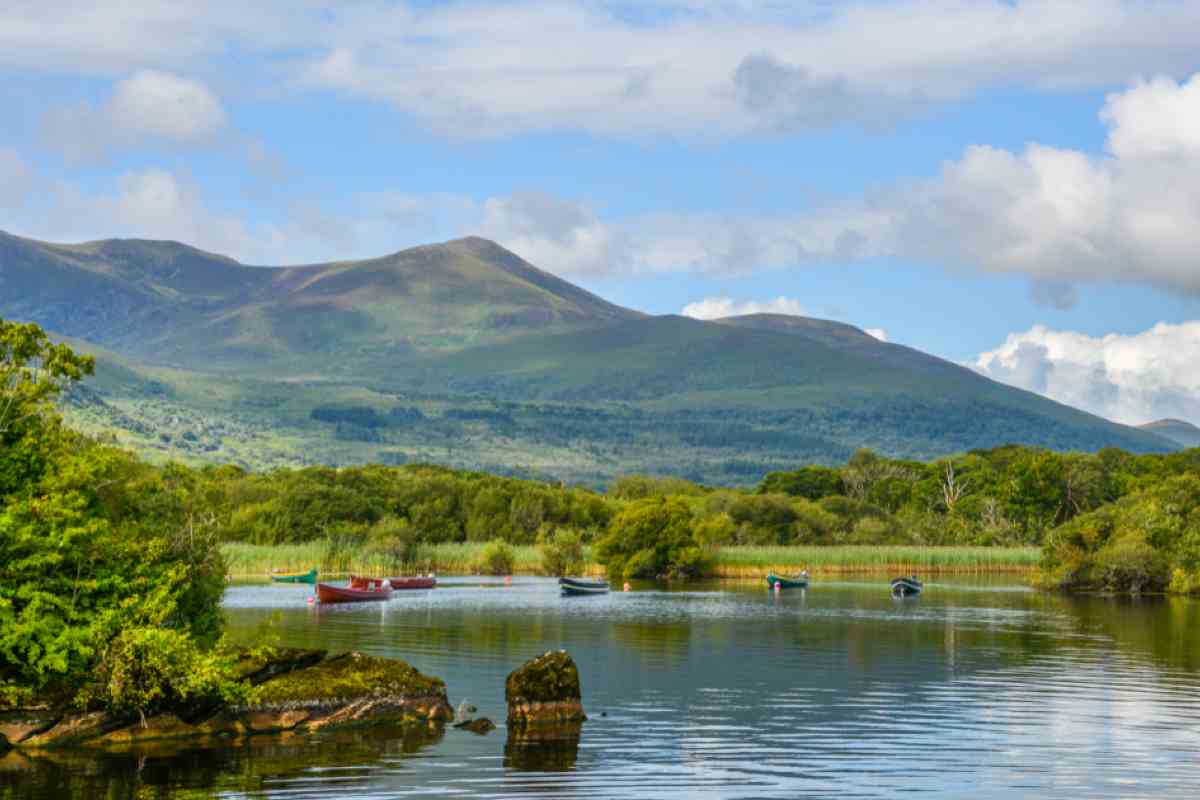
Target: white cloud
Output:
{"points": [[878, 333], [1128, 378], [561, 236], [705, 69], [148, 106], [721, 307]]}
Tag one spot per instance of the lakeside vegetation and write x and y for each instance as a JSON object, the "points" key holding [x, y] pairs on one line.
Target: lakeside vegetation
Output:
{"points": [[737, 561], [112, 569]]}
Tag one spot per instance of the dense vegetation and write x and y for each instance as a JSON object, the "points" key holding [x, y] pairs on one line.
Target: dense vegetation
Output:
{"points": [[110, 574], [647, 526]]}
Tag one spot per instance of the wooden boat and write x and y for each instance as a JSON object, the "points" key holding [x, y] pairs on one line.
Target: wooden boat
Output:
{"points": [[906, 587], [296, 577], [372, 589], [581, 586], [399, 584], [784, 582]]}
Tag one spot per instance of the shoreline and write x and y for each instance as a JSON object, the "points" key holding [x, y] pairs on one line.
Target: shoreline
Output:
{"points": [[734, 562]]}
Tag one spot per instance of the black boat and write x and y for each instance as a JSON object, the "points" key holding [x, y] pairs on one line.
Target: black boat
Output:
{"points": [[581, 586], [906, 587]]}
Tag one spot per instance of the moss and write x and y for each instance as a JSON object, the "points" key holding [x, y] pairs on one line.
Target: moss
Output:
{"points": [[550, 677], [263, 664], [350, 675]]}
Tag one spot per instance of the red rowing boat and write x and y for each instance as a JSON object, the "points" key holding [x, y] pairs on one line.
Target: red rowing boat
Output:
{"points": [[417, 582], [353, 594]]}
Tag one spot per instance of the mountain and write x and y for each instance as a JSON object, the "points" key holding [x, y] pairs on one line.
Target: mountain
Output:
{"points": [[1185, 434], [172, 304], [464, 353]]}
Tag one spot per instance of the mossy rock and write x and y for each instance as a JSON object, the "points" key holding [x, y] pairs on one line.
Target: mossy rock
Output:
{"points": [[349, 676], [551, 677], [544, 690], [262, 665]]}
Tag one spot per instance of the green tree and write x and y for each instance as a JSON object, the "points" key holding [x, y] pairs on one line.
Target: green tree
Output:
{"points": [[652, 538]]}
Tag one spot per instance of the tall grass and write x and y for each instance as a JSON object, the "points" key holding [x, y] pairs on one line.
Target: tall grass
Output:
{"points": [[747, 562], [247, 560]]}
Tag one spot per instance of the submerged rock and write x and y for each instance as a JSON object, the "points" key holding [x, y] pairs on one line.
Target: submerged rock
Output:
{"points": [[545, 690], [481, 726], [302, 690]]}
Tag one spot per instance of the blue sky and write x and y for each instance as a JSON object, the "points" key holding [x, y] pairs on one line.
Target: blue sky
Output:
{"points": [[1014, 185]]}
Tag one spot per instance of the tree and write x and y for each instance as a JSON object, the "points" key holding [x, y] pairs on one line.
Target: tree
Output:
{"points": [[652, 538], [33, 371]]}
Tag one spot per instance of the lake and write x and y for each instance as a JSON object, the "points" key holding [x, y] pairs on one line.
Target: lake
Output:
{"points": [[977, 687]]}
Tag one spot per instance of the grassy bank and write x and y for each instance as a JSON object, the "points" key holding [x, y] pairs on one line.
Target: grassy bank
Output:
{"points": [[249, 560]]}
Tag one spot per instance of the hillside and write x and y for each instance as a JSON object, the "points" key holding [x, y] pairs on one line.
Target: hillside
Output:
{"points": [[1185, 434], [464, 353]]}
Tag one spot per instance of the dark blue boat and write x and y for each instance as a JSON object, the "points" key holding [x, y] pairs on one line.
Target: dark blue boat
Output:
{"points": [[906, 587], [581, 586]]}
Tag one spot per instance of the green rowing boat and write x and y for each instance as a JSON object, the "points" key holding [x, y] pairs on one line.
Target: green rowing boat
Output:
{"points": [[296, 577], [784, 582]]}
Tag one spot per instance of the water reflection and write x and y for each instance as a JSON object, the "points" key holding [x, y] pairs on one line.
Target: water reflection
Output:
{"points": [[731, 690], [543, 748]]}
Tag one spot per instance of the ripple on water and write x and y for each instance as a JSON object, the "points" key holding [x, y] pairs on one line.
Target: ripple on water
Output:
{"points": [[834, 691]]}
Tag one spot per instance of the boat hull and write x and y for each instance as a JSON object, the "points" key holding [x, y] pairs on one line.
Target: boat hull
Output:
{"points": [[345, 594], [578, 587], [297, 577], [783, 582], [399, 584], [906, 587]]}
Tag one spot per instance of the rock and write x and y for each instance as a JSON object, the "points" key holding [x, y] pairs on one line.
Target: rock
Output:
{"points": [[545, 690], [74, 728], [260, 667], [480, 726], [19, 724], [354, 688], [300, 692]]}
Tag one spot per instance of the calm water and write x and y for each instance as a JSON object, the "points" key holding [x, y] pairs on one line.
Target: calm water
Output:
{"points": [[727, 691]]}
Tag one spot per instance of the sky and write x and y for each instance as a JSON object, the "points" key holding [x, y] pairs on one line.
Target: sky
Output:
{"points": [[1009, 184]]}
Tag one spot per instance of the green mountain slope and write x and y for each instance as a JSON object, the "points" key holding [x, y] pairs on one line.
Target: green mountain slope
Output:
{"points": [[464, 353], [1185, 434], [172, 304]]}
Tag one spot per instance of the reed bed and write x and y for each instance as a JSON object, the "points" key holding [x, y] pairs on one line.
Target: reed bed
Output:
{"points": [[250, 560], [753, 562]]}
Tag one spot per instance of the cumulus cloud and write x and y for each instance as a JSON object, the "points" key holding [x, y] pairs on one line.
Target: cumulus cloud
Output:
{"points": [[148, 106], [562, 236], [878, 333], [675, 68], [1128, 378], [720, 307]]}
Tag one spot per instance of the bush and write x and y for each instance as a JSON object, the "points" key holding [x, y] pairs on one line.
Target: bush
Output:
{"points": [[497, 558], [394, 540], [153, 669], [653, 538], [562, 552]]}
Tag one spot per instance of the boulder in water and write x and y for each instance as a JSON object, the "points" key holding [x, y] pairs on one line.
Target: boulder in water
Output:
{"points": [[545, 690]]}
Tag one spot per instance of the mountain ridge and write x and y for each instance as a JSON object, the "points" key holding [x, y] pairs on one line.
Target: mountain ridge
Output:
{"points": [[487, 358]]}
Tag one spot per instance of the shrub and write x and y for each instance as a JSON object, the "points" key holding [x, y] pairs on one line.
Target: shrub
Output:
{"points": [[393, 539], [497, 558], [151, 669], [562, 552], [653, 538]]}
